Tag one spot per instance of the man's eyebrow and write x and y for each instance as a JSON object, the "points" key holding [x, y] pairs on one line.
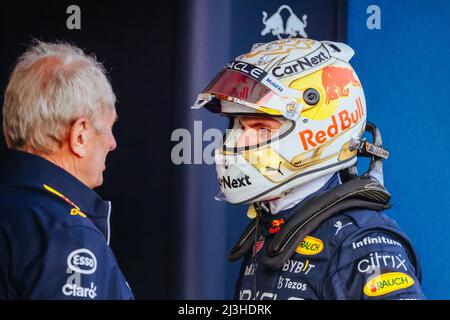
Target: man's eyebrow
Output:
{"points": [[116, 119]]}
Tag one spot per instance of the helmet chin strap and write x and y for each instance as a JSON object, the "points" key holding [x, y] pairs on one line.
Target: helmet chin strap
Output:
{"points": [[375, 151]]}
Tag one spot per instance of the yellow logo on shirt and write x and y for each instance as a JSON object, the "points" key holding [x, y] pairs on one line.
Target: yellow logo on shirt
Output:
{"points": [[387, 283], [74, 211], [310, 246]]}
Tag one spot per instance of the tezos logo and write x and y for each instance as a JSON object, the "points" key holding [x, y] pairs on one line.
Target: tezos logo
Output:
{"points": [[82, 261]]}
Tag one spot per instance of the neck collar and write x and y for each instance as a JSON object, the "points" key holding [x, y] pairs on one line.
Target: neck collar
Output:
{"points": [[26, 169], [300, 193]]}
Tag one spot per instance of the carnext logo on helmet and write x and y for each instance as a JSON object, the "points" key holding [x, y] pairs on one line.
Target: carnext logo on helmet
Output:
{"points": [[251, 70], [307, 62], [227, 182]]}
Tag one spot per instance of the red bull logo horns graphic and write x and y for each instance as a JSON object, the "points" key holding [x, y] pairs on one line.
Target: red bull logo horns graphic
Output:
{"points": [[335, 81], [275, 24]]}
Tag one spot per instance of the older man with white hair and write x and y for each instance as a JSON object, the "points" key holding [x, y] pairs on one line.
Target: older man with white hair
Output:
{"points": [[58, 114]]}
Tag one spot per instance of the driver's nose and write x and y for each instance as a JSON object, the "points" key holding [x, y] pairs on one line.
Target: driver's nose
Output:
{"points": [[249, 137]]}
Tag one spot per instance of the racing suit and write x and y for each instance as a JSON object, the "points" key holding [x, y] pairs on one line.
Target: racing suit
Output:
{"points": [[356, 254], [54, 235]]}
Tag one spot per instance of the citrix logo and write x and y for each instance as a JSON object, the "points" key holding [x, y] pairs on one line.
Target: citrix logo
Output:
{"points": [[375, 261], [227, 182]]}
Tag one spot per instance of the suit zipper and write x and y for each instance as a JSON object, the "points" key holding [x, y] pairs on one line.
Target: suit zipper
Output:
{"points": [[108, 224]]}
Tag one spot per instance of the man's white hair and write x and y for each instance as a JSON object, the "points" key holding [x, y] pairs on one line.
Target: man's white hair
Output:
{"points": [[52, 85]]}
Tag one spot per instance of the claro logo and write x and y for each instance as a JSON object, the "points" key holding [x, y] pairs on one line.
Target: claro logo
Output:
{"points": [[82, 261], [386, 283]]}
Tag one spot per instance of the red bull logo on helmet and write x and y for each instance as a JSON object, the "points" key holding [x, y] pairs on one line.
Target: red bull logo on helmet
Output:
{"points": [[339, 123], [335, 81]]}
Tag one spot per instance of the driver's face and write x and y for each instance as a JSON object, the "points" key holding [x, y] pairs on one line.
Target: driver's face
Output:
{"points": [[256, 130]]}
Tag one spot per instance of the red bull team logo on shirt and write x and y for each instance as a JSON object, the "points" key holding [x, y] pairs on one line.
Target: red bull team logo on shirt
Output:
{"points": [[276, 226]]}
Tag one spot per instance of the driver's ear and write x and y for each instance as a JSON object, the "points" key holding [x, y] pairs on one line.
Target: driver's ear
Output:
{"points": [[80, 135]]}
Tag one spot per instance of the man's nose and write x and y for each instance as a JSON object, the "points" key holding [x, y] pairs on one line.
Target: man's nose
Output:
{"points": [[113, 145], [247, 138]]}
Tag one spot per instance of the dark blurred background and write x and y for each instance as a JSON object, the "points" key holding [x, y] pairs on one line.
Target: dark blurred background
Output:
{"points": [[137, 44], [169, 235]]}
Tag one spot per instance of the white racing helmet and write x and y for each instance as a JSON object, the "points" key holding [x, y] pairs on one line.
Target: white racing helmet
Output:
{"points": [[307, 85]]}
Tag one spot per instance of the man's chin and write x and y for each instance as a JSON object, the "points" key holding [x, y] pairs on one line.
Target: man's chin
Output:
{"points": [[98, 183]]}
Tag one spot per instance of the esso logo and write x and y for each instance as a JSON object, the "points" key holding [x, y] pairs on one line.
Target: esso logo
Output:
{"points": [[82, 261]]}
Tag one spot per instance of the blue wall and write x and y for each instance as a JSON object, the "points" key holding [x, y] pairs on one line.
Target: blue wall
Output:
{"points": [[404, 68]]}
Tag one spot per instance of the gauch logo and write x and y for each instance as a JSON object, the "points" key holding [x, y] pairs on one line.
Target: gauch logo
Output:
{"points": [[387, 283], [310, 246], [275, 24]]}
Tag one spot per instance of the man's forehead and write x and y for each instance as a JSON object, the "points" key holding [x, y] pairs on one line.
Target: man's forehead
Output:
{"points": [[260, 118], [110, 117]]}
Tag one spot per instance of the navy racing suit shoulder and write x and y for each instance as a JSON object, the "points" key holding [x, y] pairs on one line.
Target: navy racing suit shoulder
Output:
{"points": [[371, 258], [54, 235]]}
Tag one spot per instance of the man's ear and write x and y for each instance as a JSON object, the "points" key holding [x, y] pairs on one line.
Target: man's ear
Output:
{"points": [[79, 137]]}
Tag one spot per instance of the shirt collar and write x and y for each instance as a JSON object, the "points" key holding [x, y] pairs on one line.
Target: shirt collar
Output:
{"points": [[28, 169], [298, 194]]}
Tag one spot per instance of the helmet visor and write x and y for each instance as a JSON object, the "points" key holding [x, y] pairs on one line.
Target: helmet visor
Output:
{"points": [[251, 88], [231, 83]]}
